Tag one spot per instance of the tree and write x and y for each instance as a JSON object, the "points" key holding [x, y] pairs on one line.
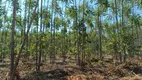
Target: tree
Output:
{"points": [[40, 39], [84, 30], [100, 11], [118, 30], [23, 44], [12, 72]]}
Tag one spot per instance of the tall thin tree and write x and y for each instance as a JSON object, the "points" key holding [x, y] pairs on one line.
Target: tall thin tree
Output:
{"points": [[12, 40], [40, 42], [24, 41]]}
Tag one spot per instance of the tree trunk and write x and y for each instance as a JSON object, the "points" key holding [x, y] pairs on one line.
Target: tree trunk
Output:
{"points": [[100, 34], [122, 24], [132, 53], [51, 36], [40, 39], [12, 41], [37, 43], [23, 44], [124, 53], [118, 32]]}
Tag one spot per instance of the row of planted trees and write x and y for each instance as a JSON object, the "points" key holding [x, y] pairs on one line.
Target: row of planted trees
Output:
{"points": [[85, 29]]}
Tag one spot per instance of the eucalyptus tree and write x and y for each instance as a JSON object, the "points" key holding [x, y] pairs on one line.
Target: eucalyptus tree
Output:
{"points": [[125, 14], [134, 23], [12, 42], [83, 34], [46, 26], [71, 12], [51, 33], [122, 24], [56, 23], [80, 15], [75, 15], [37, 38], [102, 7], [25, 18], [28, 4], [3, 31], [76, 24], [117, 26], [91, 35], [114, 28], [64, 26], [54, 8], [129, 28], [40, 38], [24, 41], [118, 29]]}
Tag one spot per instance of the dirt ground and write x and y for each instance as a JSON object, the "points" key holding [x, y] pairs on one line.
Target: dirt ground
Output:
{"points": [[106, 70]]}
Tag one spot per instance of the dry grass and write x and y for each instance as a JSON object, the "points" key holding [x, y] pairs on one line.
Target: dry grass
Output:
{"points": [[136, 77], [75, 77], [103, 71]]}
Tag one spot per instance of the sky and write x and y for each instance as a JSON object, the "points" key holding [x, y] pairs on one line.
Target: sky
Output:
{"points": [[8, 7]]}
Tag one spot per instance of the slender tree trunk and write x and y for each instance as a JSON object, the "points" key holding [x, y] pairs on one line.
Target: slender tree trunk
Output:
{"points": [[77, 43], [124, 48], [82, 47], [100, 34], [21, 28], [118, 32], [100, 37], [37, 44], [83, 33], [24, 41], [132, 51], [12, 41], [54, 25], [0, 37], [51, 35], [25, 20], [122, 24], [46, 28], [40, 40], [124, 53], [27, 40], [2, 41]]}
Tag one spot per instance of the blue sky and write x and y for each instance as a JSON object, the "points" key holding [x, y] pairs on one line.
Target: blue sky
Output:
{"points": [[8, 7], [138, 11]]}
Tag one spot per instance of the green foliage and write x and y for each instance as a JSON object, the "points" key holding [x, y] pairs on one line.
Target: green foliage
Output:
{"points": [[58, 22], [75, 30], [31, 3], [71, 11]]}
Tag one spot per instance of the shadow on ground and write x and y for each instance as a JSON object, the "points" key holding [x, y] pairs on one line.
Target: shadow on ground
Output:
{"points": [[56, 74]]}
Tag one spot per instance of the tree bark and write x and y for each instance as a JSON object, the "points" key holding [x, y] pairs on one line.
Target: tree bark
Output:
{"points": [[37, 43], [40, 44], [100, 34], [12, 41]]}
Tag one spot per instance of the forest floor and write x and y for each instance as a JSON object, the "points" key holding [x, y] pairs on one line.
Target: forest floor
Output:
{"points": [[106, 70]]}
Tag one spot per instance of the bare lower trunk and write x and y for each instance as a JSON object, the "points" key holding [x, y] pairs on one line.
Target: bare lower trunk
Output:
{"points": [[120, 56], [124, 53]]}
